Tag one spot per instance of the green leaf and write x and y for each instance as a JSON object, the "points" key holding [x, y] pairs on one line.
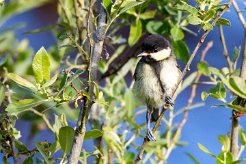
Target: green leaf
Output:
{"points": [[242, 135], [194, 20], [185, 7], [147, 15], [92, 134], [204, 68], [225, 142], [195, 161], [51, 81], [130, 102], [2, 92], [107, 4], [135, 32], [236, 53], [205, 150], [224, 158], [41, 66], [23, 105], [177, 33], [223, 22], [66, 138], [130, 5], [155, 27], [209, 15], [41, 150], [219, 92], [204, 95], [181, 50], [23, 82], [207, 26], [20, 146], [238, 86], [28, 160], [236, 107], [129, 157]]}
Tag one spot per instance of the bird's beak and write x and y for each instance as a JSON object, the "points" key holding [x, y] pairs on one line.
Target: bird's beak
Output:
{"points": [[143, 54]]}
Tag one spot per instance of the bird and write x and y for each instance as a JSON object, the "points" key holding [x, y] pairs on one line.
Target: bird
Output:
{"points": [[156, 77]]}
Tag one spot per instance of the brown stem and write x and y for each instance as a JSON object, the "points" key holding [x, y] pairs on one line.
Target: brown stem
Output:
{"points": [[157, 124], [190, 101], [226, 54], [98, 38], [235, 120]]}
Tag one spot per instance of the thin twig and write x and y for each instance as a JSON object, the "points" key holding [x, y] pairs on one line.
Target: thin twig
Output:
{"points": [[235, 120], [239, 13], [47, 122], [98, 38], [190, 101], [78, 22], [226, 54], [157, 124], [12, 144]]}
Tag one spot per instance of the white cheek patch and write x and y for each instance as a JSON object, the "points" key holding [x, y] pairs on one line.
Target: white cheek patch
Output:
{"points": [[161, 55]]}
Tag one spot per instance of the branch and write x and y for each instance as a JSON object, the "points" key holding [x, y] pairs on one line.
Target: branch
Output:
{"points": [[239, 14], [99, 36], [235, 120], [226, 54], [157, 124], [190, 101]]}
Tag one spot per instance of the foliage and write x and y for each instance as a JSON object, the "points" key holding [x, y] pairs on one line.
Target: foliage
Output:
{"points": [[48, 87]]}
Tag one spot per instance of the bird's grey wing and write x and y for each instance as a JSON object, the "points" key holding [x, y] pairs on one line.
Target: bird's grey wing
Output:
{"points": [[137, 75]]}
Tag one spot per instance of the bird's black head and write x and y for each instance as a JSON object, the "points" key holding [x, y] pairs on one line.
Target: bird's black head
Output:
{"points": [[156, 47]]}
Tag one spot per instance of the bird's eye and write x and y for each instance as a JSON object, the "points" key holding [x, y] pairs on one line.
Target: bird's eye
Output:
{"points": [[155, 50]]}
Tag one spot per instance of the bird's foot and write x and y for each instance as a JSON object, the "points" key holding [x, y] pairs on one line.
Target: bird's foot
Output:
{"points": [[169, 100], [150, 136]]}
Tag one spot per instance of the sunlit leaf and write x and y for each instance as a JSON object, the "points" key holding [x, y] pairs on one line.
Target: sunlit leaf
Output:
{"points": [[224, 158], [186, 7], [41, 66], [223, 22], [205, 150], [23, 82], [225, 142], [135, 32], [66, 138], [194, 20], [242, 135], [209, 15], [147, 14], [92, 134], [207, 26], [177, 33], [238, 86], [130, 5], [51, 81], [107, 4], [238, 108], [130, 102], [204, 96], [204, 68]]}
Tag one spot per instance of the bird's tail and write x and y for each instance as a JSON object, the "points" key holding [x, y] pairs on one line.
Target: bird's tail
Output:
{"points": [[155, 114]]}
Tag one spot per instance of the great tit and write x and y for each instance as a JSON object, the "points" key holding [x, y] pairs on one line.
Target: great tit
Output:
{"points": [[156, 77]]}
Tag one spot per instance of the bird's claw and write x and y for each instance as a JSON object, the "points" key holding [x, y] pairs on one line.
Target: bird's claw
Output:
{"points": [[169, 100], [150, 136]]}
